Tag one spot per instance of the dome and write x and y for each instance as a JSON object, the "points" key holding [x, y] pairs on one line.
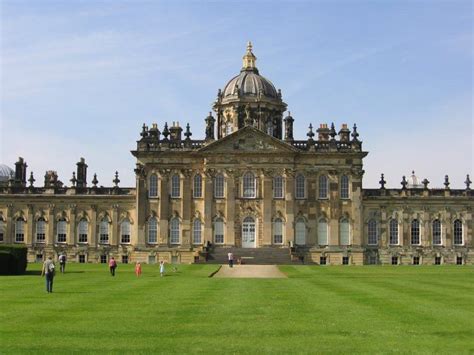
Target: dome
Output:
{"points": [[413, 181], [6, 172]]}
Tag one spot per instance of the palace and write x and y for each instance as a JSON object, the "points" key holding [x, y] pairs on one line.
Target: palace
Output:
{"points": [[248, 186]]}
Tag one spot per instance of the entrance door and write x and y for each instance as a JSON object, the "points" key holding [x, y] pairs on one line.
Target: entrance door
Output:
{"points": [[248, 233]]}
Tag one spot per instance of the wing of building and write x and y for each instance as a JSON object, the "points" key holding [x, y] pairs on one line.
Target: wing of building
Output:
{"points": [[249, 186]]}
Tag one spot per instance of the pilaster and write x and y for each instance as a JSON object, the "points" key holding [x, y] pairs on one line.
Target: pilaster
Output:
{"points": [[290, 206], [164, 209], [51, 225], [29, 226], [267, 208], [230, 210]]}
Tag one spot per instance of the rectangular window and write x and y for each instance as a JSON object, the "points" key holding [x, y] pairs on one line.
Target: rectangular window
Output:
{"points": [[277, 232], [437, 260], [19, 231], [103, 259], [197, 191], [459, 260], [125, 238], [415, 232], [40, 231], [436, 232], [344, 187], [345, 260], [372, 230], [219, 186], [416, 260], [218, 232], [39, 258], [197, 230], [372, 260], [323, 187], [278, 187], [151, 259], [322, 260], [82, 259], [394, 260], [300, 188], [62, 232], [124, 259], [393, 231], [175, 186]]}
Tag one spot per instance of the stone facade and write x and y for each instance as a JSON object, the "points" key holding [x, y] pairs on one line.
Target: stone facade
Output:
{"points": [[248, 184]]}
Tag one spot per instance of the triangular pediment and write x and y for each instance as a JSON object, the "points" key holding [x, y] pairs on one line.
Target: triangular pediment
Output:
{"points": [[248, 140]]}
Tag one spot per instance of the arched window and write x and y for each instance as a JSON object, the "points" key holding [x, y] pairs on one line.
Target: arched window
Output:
{"points": [[2, 230], [415, 232], [174, 231], [249, 185], [219, 231], [278, 231], [278, 186], [393, 231], [219, 186], [457, 232], [61, 230], [125, 231], [20, 230], [197, 184], [82, 229], [197, 231], [40, 230], [372, 237], [344, 186], [323, 231], [300, 231], [300, 187], [175, 186], [153, 190], [323, 186], [436, 230], [104, 231], [344, 232], [152, 231]]}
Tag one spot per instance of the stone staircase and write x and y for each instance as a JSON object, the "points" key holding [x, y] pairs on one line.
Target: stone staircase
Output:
{"points": [[251, 256]]}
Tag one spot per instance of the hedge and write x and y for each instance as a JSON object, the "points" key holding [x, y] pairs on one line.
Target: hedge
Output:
{"points": [[13, 259]]}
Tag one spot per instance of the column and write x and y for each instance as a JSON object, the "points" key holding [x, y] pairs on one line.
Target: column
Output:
{"points": [[115, 237], [266, 180], [208, 201], [290, 206], [51, 225], [138, 237], [186, 204], [71, 235], [164, 209], [9, 238], [230, 210], [29, 236], [93, 238]]}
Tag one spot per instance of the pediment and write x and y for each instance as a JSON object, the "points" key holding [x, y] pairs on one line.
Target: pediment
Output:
{"points": [[248, 140]]}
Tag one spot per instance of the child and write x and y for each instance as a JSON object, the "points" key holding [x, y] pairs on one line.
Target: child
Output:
{"points": [[138, 269], [162, 268]]}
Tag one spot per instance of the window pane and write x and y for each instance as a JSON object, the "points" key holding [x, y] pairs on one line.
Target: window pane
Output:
{"points": [[219, 231], [83, 230], [436, 232], [40, 230], [300, 232], [174, 231], [322, 232], [278, 187], [219, 186], [197, 191], [153, 191], [197, 231], [125, 231], [175, 186], [300, 186], [415, 232], [458, 237], [61, 231], [104, 231], [344, 232], [344, 186], [249, 185], [323, 186], [278, 231], [20, 230], [372, 232], [393, 230], [152, 230]]}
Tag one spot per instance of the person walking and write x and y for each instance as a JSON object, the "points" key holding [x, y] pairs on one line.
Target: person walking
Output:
{"points": [[230, 257], [138, 269], [162, 268], [48, 272], [112, 266], [62, 263]]}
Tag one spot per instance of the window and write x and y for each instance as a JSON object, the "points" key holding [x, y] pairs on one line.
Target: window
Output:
{"points": [[344, 186], [437, 260], [300, 186], [394, 260], [151, 259], [323, 186], [124, 259], [372, 238], [104, 231], [219, 186], [416, 260], [125, 231], [61, 231], [344, 232], [436, 230], [2, 230], [459, 260], [82, 230], [270, 128], [219, 231], [415, 232], [278, 231], [40, 230], [39, 258], [249, 183], [393, 231], [19, 230], [174, 231], [175, 186], [82, 259], [103, 259], [322, 232], [278, 187], [457, 232], [300, 232], [322, 260], [372, 260], [345, 260], [228, 128], [197, 184], [152, 230], [197, 231], [153, 190]]}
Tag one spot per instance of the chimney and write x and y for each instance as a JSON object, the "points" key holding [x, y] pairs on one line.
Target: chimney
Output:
{"points": [[175, 132], [344, 133], [323, 132], [81, 174], [20, 172]]}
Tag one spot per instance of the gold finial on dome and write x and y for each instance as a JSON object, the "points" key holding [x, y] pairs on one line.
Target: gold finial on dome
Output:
{"points": [[249, 58]]}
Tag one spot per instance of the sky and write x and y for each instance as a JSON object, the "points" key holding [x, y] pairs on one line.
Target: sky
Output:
{"points": [[79, 78]]}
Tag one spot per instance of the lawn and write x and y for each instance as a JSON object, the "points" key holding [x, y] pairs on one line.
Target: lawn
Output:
{"points": [[421, 309]]}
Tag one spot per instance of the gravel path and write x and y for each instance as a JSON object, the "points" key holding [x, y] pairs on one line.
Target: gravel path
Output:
{"points": [[250, 271]]}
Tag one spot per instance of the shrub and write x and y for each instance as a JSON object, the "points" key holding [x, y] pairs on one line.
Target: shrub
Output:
{"points": [[13, 259]]}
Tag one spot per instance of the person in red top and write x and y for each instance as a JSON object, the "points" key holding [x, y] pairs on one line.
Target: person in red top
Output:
{"points": [[112, 266], [138, 269]]}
